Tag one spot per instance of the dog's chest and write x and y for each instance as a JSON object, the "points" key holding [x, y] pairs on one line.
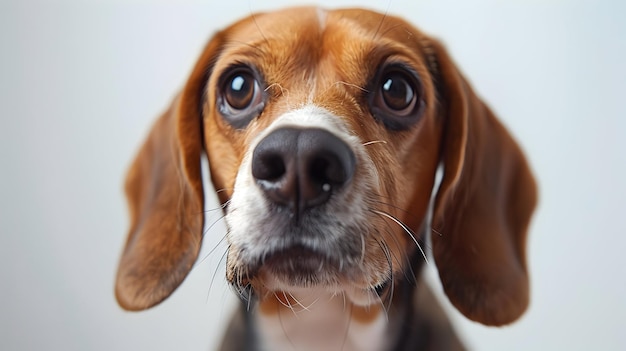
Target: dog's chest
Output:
{"points": [[326, 322]]}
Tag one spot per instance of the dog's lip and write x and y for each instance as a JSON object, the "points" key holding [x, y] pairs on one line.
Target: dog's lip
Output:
{"points": [[380, 289], [298, 258], [299, 265]]}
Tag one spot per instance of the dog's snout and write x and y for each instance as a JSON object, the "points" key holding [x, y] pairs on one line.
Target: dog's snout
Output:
{"points": [[301, 168]]}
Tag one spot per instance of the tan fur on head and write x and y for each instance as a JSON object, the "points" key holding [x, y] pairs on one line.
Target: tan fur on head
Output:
{"points": [[318, 69]]}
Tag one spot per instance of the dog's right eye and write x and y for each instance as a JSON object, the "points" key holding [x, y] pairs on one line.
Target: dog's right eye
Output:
{"points": [[240, 98]]}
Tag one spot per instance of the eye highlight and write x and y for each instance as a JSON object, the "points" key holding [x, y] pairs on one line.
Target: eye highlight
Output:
{"points": [[240, 90], [396, 99], [240, 97]]}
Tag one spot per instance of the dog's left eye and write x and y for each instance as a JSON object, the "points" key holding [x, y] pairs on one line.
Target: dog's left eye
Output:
{"points": [[397, 98], [397, 93], [241, 90], [241, 98]]}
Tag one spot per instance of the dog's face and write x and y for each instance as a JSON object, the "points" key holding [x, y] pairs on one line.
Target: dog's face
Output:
{"points": [[325, 123], [324, 131]]}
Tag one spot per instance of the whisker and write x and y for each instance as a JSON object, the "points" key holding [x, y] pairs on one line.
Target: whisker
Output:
{"points": [[387, 253], [345, 336], [213, 210], [222, 190], [383, 19], [255, 22], [410, 275], [216, 245], [294, 299], [280, 301], [436, 231], [389, 231], [407, 213], [385, 250], [239, 286], [290, 305], [304, 308], [362, 259], [351, 85], [406, 229], [282, 325], [249, 288], [282, 90], [312, 303], [374, 142], [214, 275], [219, 242], [239, 291], [248, 280], [239, 42], [382, 305], [392, 28], [404, 255], [212, 250], [396, 208], [391, 288]]}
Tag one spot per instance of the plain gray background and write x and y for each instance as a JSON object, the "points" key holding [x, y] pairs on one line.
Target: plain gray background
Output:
{"points": [[82, 81]]}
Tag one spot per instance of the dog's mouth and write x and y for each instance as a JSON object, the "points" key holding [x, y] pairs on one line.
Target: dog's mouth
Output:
{"points": [[296, 267], [300, 266], [383, 289]]}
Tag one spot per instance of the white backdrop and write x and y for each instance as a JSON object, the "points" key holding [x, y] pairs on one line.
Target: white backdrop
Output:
{"points": [[81, 81]]}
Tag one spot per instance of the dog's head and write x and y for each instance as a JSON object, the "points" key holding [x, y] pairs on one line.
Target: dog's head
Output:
{"points": [[324, 131]]}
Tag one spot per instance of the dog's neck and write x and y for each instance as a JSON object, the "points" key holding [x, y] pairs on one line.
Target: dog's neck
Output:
{"points": [[315, 319], [413, 321]]}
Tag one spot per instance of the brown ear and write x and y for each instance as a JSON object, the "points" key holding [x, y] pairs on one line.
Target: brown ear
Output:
{"points": [[165, 197], [483, 207]]}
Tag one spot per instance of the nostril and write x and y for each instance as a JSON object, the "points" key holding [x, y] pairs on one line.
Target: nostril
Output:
{"points": [[269, 166], [318, 170], [327, 169], [273, 168]]}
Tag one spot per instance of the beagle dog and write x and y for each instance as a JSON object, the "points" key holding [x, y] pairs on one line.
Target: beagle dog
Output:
{"points": [[324, 132]]}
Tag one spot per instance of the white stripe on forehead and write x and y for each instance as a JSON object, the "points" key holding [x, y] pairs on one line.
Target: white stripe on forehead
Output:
{"points": [[311, 116], [321, 17]]}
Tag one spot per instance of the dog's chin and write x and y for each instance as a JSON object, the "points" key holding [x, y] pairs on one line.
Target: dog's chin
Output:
{"points": [[301, 267], [299, 270]]}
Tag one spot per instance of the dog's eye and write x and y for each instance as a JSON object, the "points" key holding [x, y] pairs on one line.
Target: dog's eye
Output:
{"points": [[241, 98], [397, 93], [397, 100], [240, 90]]}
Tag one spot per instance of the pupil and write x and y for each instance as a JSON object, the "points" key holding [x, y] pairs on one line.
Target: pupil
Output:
{"points": [[397, 92], [240, 91], [238, 83]]}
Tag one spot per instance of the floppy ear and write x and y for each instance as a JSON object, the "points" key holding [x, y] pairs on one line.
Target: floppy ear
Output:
{"points": [[483, 207], [165, 197]]}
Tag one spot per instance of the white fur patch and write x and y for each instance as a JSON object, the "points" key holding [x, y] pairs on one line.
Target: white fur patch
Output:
{"points": [[318, 321], [321, 17]]}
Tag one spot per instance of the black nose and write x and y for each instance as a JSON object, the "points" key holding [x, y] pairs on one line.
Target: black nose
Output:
{"points": [[301, 168]]}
